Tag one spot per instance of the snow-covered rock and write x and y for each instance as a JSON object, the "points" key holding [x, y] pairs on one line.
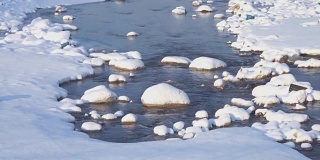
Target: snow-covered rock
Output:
{"points": [[116, 78], [201, 114], [204, 8], [235, 113], [123, 99], [270, 90], [109, 116], [311, 63], [281, 116], [129, 64], [219, 83], [73, 101], [218, 16], [164, 95], [241, 102], [95, 62], [161, 130], [99, 94], [91, 126], [222, 121], [207, 63], [196, 3], [316, 127], [282, 80], [254, 73], [119, 113], [132, 34], [94, 114], [179, 10], [67, 18], [193, 130], [176, 60], [70, 108], [299, 107], [178, 126], [129, 119], [306, 146], [266, 100]]}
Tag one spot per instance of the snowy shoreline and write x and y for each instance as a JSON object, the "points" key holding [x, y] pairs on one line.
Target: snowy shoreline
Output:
{"points": [[29, 91]]}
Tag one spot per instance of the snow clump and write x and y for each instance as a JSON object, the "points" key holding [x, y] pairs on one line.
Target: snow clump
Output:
{"points": [[91, 126], [204, 8], [94, 62], [178, 126], [241, 102], [99, 94], [129, 64], [116, 78], [123, 99], [70, 108], [201, 114], [132, 34], [67, 18], [129, 119], [219, 83], [162, 130], [311, 63], [179, 10], [236, 113], [164, 95], [109, 116], [176, 60], [207, 63]]}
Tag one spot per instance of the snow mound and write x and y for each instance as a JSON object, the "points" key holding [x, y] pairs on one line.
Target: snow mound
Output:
{"points": [[116, 78], [270, 90], [218, 16], [95, 62], [91, 126], [94, 114], [281, 116], [129, 119], [203, 123], [311, 63], [196, 3], [276, 67], [119, 113], [306, 146], [282, 80], [123, 99], [73, 101], [99, 94], [204, 8], [207, 63], [219, 83], [241, 102], [176, 60], [129, 64], [132, 34], [179, 10], [201, 114], [222, 121], [254, 73], [70, 108], [236, 113], [109, 116], [266, 100], [161, 130], [164, 95], [67, 18], [178, 126]]}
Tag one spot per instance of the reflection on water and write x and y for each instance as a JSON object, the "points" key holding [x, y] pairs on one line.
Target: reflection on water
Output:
{"points": [[105, 25]]}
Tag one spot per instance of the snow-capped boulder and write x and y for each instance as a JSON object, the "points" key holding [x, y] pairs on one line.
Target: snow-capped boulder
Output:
{"points": [[109, 116], [94, 114], [203, 123], [176, 60], [281, 116], [196, 3], [218, 16], [222, 121], [95, 62], [178, 126], [116, 78], [109, 56], [179, 10], [219, 83], [235, 113], [282, 80], [119, 113], [266, 100], [254, 73], [67, 18], [204, 8], [241, 102], [70, 108], [129, 64], [201, 114], [311, 63], [124, 99], [99, 94], [316, 127], [306, 146], [129, 119], [161, 130], [72, 101], [132, 34], [207, 63], [164, 95], [91, 126]]}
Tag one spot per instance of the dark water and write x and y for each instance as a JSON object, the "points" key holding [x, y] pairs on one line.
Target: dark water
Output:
{"points": [[105, 25]]}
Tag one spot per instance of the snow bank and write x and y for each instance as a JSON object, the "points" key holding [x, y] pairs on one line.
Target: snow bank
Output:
{"points": [[99, 94], [164, 95], [206, 63]]}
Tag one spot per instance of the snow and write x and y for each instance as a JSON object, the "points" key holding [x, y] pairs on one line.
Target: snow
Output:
{"points": [[132, 34], [129, 119], [161, 130], [69, 107], [316, 127], [254, 73], [94, 114], [99, 94], [95, 62], [204, 8], [67, 17], [91, 126], [219, 16], [178, 126], [281, 116], [201, 114], [219, 83], [207, 63], [306, 146], [119, 113], [236, 113], [311, 63], [116, 78], [266, 100], [109, 116], [196, 3], [179, 10], [129, 64], [241, 102], [203, 123], [164, 95], [33, 97], [282, 80], [123, 99], [222, 121], [177, 60]]}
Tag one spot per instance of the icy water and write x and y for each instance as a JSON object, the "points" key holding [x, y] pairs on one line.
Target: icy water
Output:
{"points": [[104, 26]]}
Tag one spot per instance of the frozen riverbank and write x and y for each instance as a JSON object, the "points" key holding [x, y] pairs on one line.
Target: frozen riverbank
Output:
{"points": [[29, 88]]}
